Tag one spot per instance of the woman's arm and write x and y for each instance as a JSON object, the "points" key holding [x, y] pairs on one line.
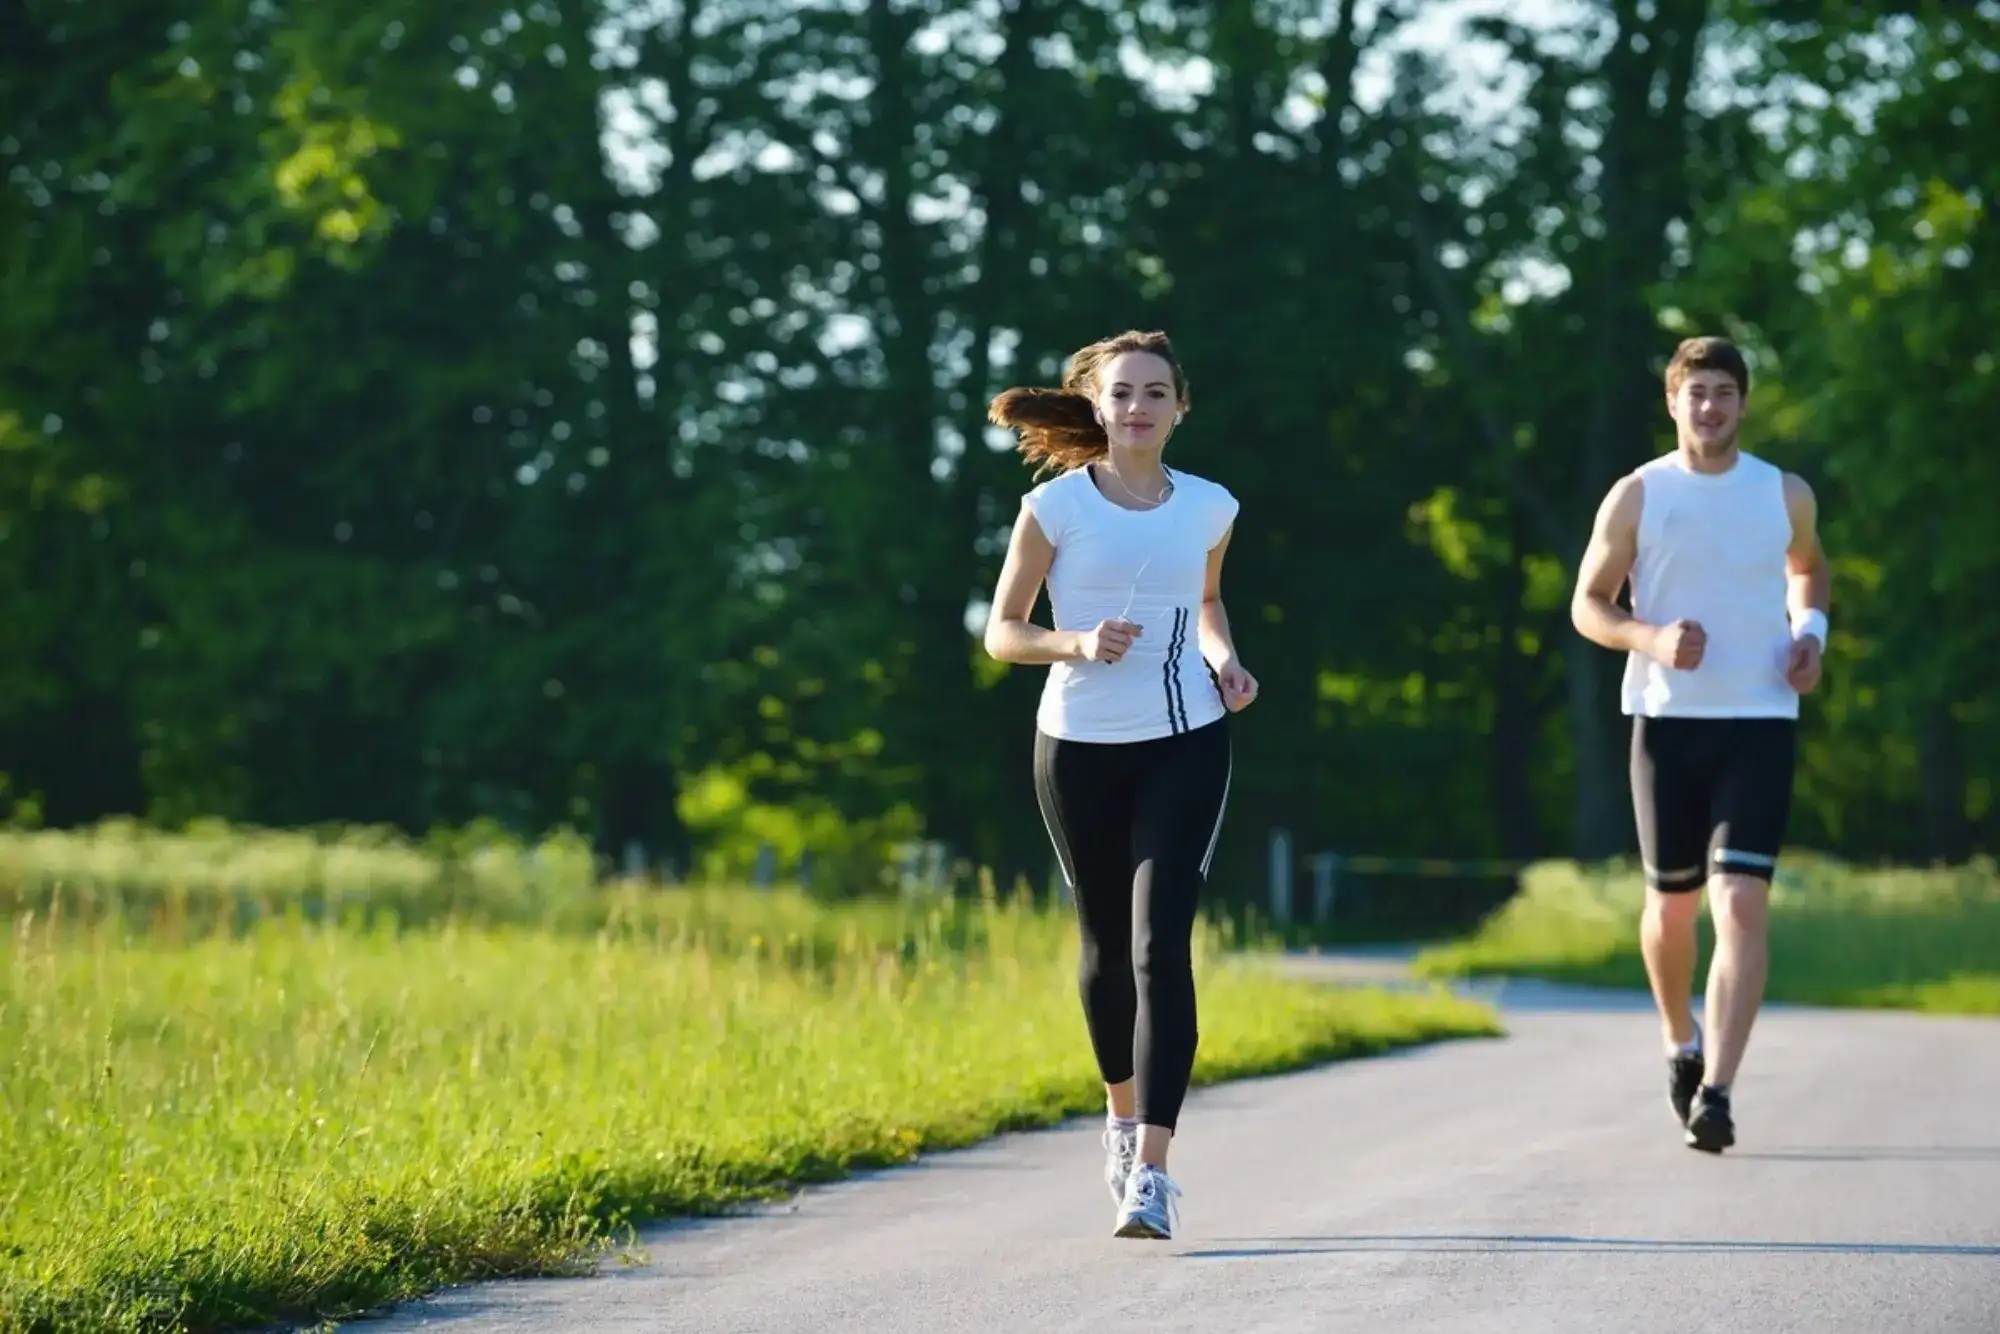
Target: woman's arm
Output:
{"points": [[1010, 635], [1218, 646]]}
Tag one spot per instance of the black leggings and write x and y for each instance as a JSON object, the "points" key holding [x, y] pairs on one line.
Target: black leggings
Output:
{"points": [[1135, 825]]}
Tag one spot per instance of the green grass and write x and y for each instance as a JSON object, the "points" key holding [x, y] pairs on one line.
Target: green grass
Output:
{"points": [[293, 1120], [214, 875], [1906, 939]]}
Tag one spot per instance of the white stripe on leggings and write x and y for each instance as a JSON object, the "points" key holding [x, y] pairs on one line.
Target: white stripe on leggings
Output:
{"points": [[1216, 837], [1050, 823]]}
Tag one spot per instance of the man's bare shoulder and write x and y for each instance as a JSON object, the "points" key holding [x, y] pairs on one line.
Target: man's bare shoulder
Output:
{"points": [[1802, 508], [1623, 503]]}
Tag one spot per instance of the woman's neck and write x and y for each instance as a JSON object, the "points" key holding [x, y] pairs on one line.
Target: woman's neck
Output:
{"points": [[1139, 471]]}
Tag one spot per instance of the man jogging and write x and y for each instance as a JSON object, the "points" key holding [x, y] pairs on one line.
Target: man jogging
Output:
{"points": [[1728, 622]]}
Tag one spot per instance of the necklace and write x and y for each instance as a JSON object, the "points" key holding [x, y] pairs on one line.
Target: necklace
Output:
{"points": [[1151, 504]]}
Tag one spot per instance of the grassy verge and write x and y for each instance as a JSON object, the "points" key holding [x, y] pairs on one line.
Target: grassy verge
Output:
{"points": [[289, 1120], [1923, 940], [215, 876]]}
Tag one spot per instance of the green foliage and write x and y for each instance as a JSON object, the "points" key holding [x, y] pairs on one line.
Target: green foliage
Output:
{"points": [[1871, 205], [803, 835], [414, 414]]}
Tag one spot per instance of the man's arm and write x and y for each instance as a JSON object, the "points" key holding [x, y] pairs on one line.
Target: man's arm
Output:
{"points": [[1808, 587], [1607, 563], [1808, 583]]}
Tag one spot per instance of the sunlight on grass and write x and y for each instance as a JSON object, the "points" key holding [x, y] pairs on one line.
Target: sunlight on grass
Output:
{"points": [[1915, 939], [293, 1119]]}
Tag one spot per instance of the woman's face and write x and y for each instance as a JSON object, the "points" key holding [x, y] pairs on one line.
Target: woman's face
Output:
{"points": [[1136, 400]]}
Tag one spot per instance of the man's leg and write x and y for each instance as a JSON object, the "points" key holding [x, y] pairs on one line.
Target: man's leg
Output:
{"points": [[1740, 907], [1753, 803], [1670, 805], [1667, 939]]}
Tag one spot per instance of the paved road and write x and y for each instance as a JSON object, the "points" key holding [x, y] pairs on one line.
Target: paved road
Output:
{"points": [[1532, 1184]]}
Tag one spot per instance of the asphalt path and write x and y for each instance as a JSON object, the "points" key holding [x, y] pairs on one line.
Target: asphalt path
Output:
{"points": [[1532, 1183]]}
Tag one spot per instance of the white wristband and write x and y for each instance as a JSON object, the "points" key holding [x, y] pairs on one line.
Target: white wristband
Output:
{"points": [[1812, 623]]}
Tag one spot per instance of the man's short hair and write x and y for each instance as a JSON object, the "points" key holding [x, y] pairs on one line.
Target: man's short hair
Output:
{"points": [[1708, 354]]}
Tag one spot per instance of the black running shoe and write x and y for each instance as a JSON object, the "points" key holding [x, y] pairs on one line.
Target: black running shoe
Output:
{"points": [[1709, 1127], [1684, 1072]]}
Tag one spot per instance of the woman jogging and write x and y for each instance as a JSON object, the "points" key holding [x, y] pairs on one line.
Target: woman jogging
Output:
{"points": [[1132, 745]]}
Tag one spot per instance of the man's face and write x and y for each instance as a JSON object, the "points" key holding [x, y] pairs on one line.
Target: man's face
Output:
{"points": [[1708, 409]]}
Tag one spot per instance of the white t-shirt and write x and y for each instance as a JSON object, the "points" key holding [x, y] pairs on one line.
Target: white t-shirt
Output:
{"points": [[1712, 549], [1150, 567]]}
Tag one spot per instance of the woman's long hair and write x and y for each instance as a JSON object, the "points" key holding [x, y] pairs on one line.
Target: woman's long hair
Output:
{"points": [[1057, 428]]}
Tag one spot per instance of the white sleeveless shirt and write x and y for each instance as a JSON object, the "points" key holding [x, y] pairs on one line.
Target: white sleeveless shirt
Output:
{"points": [[1712, 549], [1150, 567]]}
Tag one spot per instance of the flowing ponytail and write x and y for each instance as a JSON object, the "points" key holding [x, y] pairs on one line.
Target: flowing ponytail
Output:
{"points": [[1058, 428]]}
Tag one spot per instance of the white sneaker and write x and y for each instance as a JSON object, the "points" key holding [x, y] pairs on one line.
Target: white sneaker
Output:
{"points": [[1121, 1150], [1149, 1209]]}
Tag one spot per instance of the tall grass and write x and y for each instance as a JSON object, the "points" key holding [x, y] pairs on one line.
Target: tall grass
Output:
{"points": [[292, 1118], [213, 874], [1840, 935], [216, 878]]}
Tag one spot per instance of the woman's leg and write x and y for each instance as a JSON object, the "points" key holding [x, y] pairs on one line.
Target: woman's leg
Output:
{"points": [[1176, 822], [1085, 792]]}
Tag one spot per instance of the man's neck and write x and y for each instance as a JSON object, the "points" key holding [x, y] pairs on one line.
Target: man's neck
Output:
{"points": [[1711, 465]]}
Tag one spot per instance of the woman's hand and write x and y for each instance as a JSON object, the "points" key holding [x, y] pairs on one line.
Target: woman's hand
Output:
{"points": [[1239, 688], [1108, 642]]}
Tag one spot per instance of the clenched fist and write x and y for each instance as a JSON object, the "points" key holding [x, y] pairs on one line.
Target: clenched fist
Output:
{"points": [[1679, 645], [1802, 664], [1109, 641], [1238, 686]]}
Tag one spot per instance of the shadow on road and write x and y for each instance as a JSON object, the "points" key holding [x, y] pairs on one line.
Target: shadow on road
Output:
{"points": [[1530, 996], [1904, 1153], [1387, 968], [1258, 1248], [1255, 1249]]}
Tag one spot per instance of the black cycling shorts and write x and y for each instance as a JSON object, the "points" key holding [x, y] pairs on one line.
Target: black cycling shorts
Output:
{"points": [[1711, 795]]}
